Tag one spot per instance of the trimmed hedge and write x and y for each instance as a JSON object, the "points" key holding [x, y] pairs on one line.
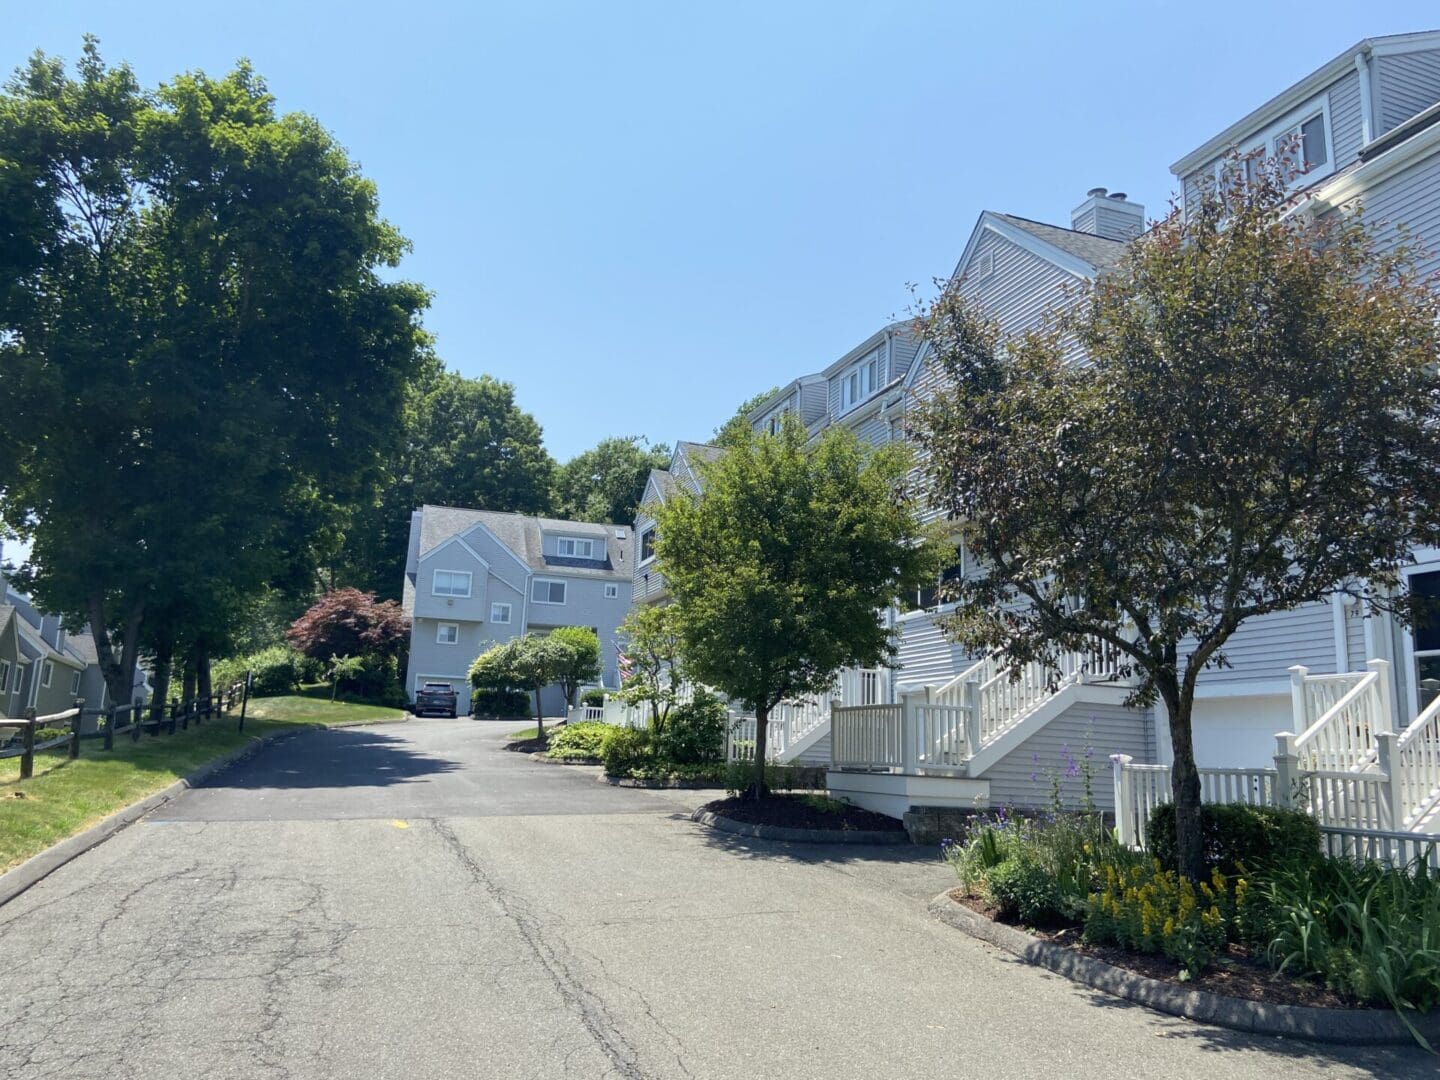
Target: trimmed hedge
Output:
{"points": [[594, 696], [579, 740], [510, 704], [1238, 834], [694, 733]]}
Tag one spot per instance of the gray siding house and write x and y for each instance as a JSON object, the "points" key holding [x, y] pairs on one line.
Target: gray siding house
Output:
{"points": [[474, 578]]}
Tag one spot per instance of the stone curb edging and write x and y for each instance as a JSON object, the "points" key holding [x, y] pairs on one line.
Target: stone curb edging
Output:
{"points": [[802, 836], [1368, 1027], [545, 759], [40, 866], [661, 785]]}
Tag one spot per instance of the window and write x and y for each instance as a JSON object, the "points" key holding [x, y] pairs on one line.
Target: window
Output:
{"points": [[4, 675], [75, 682], [578, 549], [451, 583], [619, 534], [860, 382], [647, 545], [612, 592], [499, 613], [1425, 609], [1303, 144], [545, 591], [447, 633], [931, 596], [47, 672]]}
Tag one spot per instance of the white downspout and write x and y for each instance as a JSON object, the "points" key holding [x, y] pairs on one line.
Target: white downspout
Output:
{"points": [[1337, 618], [1367, 109]]}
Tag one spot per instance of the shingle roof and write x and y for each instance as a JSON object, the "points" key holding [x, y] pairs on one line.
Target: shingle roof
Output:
{"points": [[521, 533], [83, 646], [700, 451], [1099, 251]]}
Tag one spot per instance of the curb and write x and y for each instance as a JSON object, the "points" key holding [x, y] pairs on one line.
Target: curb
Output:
{"points": [[38, 867], [798, 836], [546, 759], [661, 785], [1353, 1027]]}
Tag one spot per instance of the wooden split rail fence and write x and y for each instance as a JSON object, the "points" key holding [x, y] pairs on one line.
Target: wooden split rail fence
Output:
{"points": [[131, 720]]}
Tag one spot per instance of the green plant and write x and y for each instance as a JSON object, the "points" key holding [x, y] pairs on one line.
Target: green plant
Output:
{"points": [[580, 658], [1152, 910], [623, 749], [740, 775], [1236, 835], [1023, 889], [1366, 930], [594, 697], [277, 670], [502, 702], [581, 740], [695, 731]]}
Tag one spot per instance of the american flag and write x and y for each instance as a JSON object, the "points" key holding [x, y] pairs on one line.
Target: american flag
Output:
{"points": [[625, 666]]}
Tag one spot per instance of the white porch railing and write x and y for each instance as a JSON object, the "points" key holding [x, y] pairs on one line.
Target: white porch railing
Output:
{"points": [[1337, 716], [791, 722], [867, 737], [1415, 760], [1392, 848], [1141, 788]]}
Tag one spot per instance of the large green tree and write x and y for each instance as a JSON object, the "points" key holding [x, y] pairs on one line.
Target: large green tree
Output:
{"points": [[202, 366], [1257, 427], [605, 483], [737, 428], [466, 443], [779, 570]]}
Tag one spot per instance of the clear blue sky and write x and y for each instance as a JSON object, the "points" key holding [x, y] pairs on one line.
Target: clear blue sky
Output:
{"points": [[641, 214]]}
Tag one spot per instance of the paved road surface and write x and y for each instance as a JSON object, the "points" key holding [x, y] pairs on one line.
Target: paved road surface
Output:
{"points": [[411, 901]]}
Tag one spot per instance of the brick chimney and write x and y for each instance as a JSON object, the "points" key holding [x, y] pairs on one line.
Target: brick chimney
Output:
{"points": [[1110, 214]]}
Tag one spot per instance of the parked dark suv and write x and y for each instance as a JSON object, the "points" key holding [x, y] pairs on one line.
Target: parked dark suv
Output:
{"points": [[436, 699]]}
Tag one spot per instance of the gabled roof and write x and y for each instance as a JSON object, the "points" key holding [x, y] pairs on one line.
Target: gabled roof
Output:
{"points": [[697, 451], [1101, 252], [523, 534]]}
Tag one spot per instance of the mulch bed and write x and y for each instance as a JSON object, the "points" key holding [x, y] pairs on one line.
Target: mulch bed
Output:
{"points": [[1235, 974], [793, 812], [527, 746]]}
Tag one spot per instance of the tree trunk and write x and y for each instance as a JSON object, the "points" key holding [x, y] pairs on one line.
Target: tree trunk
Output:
{"points": [[762, 732], [1184, 780], [162, 683], [202, 674], [187, 686], [118, 672], [539, 715]]}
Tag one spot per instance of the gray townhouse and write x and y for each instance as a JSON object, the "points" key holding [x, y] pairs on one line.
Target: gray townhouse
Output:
{"points": [[1368, 125], [475, 578]]}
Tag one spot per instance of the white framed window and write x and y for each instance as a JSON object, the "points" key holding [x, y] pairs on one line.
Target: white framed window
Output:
{"points": [[4, 675], [547, 591], [647, 545], [619, 534], [612, 592], [860, 382], [75, 682], [499, 612], [1305, 143], [1423, 636], [47, 672], [1302, 138], [451, 583], [447, 633], [574, 548]]}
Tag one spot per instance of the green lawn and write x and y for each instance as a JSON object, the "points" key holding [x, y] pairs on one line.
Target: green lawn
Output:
{"points": [[64, 797]]}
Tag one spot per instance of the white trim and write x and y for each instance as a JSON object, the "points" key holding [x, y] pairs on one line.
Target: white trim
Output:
{"points": [[47, 672], [440, 626], [549, 581], [509, 612], [496, 540], [456, 539], [1021, 238], [1367, 105], [46, 650], [74, 683], [1356, 182], [575, 542], [1318, 81], [469, 584], [1337, 623], [645, 560], [5, 667], [1407, 642], [612, 591]]}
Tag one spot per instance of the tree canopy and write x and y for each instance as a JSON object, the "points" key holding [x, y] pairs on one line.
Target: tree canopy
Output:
{"points": [[779, 569], [202, 365], [1257, 427], [737, 428], [606, 482], [529, 662]]}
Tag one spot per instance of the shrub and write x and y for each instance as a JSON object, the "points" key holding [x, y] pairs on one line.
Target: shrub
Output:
{"points": [[583, 740], [504, 702], [1238, 837], [1021, 888], [623, 749], [594, 696], [740, 776], [277, 670], [695, 732], [1149, 909]]}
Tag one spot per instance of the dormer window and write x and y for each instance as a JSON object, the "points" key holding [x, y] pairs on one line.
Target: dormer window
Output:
{"points": [[775, 423], [1301, 140], [1304, 141], [860, 382], [575, 549]]}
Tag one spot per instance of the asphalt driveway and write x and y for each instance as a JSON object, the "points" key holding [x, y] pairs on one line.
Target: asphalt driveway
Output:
{"points": [[413, 901]]}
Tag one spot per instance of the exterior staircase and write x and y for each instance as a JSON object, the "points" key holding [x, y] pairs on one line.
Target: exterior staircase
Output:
{"points": [[799, 732]]}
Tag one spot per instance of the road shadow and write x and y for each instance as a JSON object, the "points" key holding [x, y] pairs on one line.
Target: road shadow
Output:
{"points": [[332, 758], [748, 847]]}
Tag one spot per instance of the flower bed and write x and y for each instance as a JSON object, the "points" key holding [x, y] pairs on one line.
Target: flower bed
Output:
{"points": [[1286, 924]]}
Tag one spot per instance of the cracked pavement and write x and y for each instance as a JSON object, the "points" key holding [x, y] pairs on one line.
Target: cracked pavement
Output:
{"points": [[413, 901]]}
